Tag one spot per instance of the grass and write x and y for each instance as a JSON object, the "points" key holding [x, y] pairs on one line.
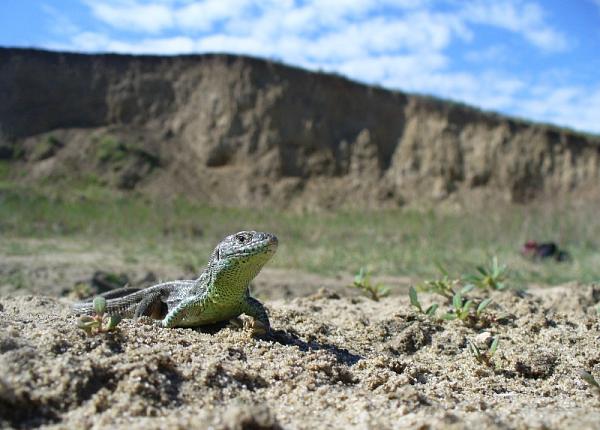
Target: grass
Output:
{"points": [[16, 278], [46, 148], [362, 281], [5, 169], [113, 151], [395, 242]]}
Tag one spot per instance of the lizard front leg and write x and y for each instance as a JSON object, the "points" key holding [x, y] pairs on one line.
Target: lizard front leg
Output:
{"points": [[176, 316], [255, 309]]}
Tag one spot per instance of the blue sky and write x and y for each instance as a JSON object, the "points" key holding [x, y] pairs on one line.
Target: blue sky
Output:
{"points": [[534, 59]]}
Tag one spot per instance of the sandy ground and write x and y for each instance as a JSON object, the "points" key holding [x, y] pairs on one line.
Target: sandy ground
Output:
{"points": [[335, 360]]}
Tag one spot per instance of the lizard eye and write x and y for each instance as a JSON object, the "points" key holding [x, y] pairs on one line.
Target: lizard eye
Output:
{"points": [[241, 238]]}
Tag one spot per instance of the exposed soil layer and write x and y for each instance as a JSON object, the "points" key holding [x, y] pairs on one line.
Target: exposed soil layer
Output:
{"points": [[238, 131]]}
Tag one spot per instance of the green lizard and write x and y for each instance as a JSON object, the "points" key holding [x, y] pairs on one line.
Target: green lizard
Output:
{"points": [[220, 293]]}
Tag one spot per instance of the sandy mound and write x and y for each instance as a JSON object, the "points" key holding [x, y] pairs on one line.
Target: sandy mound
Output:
{"points": [[333, 362]]}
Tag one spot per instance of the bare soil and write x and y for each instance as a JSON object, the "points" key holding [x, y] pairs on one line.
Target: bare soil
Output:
{"points": [[335, 360]]}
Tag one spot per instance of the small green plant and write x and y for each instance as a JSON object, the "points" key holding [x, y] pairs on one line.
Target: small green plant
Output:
{"points": [[414, 301], [463, 309], [362, 281], [482, 306], [445, 286], [483, 357], [99, 323], [590, 380], [492, 276]]}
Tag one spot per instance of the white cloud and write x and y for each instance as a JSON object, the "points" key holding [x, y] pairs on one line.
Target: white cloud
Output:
{"points": [[488, 90], [233, 44], [402, 20], [60, 23], [406, 72], [526, 19], [88, 41], [489, 54], [151, 18], [573, 106], [204, 15], [167, 45], [95, 42]]}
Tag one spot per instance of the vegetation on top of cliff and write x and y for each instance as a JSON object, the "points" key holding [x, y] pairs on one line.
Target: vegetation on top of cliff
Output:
{"points": [[111, 150], [124, 164], [46, 148]]}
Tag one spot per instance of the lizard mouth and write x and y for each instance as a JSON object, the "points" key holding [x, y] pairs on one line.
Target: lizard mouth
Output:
{"points": [[264, 246]]}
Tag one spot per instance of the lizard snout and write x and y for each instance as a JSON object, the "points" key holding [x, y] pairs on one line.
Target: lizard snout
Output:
{"points": [[271, 240]]}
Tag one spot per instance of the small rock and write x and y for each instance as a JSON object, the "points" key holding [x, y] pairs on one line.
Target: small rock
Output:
{"points": [[324, 293], [249, 417], [484, 339]]}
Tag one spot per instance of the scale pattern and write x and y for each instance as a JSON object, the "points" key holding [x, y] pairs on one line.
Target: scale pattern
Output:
{"points": [[218, 294]]}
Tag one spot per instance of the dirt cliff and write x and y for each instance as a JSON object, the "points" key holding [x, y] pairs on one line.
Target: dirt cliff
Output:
{"points": [[234, 130]]}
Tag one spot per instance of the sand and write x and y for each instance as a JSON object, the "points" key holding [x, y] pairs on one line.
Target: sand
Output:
{"points": [[335, 360]]}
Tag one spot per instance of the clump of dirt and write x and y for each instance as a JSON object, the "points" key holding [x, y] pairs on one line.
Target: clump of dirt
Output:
{"points": [[332, 361]]}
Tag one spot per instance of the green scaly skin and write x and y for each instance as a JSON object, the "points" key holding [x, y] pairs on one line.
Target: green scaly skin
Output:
{"points": [[220, 293]]}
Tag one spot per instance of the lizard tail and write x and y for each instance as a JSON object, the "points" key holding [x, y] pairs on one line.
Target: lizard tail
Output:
{"points": [[124, 301], [115, 300]]}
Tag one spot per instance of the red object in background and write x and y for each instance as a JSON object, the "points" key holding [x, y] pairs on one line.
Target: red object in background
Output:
{"points": [[534, 250]]}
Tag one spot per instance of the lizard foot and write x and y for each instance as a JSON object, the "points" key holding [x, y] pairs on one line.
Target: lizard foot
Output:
{"points": [[256, 327], [146, 320]]}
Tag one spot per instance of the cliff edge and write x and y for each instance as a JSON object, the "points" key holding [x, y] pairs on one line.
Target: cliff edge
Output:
{"points": [[239, 131]]}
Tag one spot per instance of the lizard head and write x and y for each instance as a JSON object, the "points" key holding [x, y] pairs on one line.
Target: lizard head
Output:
{"points": [[240, 256], [246, 244]]}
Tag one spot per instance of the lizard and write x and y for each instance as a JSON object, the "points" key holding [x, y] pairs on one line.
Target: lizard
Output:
{"points": [[220, 293]]}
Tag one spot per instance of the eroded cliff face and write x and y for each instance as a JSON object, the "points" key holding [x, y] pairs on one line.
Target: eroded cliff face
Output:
{"points": [[240, 131]]}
